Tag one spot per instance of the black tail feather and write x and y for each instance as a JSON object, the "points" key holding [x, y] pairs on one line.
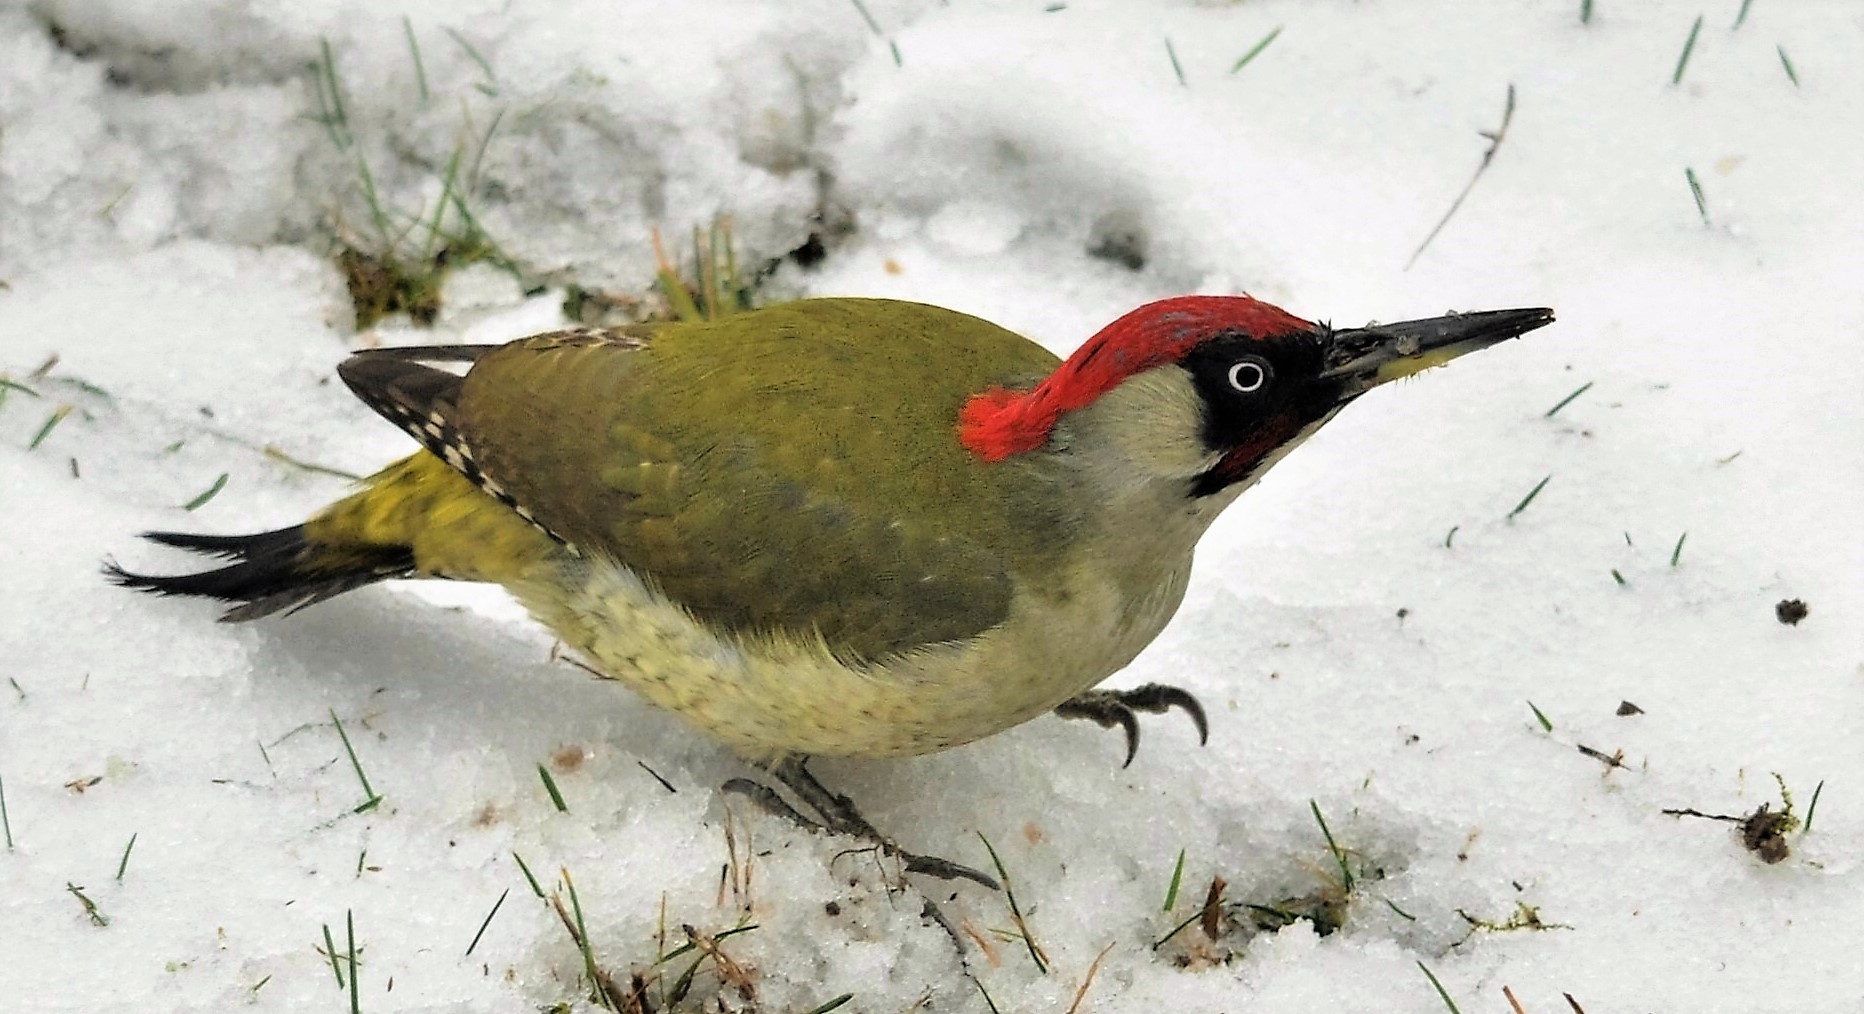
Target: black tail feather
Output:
{"points": [[234, 547], [273, 571]]}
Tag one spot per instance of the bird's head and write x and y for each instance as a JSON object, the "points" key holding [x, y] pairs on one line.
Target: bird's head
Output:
{"points": [[1212, 390]]}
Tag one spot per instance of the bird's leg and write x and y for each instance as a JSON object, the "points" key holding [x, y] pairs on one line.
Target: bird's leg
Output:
{"points": [[838, 815], [1111, 708]]}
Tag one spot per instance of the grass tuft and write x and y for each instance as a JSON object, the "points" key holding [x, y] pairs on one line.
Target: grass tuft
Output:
{"points": [[1689, 46], [207, 494], [1741, 17], [372, 800], [1585, 12], [832, 1004], [1676, 555], [1176, 67], [550, 786], [1255, 50], [1786, 64], [6, 823], [1016, 911], [400, 268], [1529, 498], [1449, 540], [1620, 578], [717, 288]]}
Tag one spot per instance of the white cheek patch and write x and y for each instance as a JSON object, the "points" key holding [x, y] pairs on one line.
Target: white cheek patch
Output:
{"points": [[1156, 421]]}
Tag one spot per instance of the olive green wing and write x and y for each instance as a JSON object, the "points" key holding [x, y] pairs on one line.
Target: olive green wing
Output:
{"points": [[788, 470]]}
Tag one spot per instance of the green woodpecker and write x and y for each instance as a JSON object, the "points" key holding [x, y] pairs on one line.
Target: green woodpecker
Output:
{"points": [[849, 527]]}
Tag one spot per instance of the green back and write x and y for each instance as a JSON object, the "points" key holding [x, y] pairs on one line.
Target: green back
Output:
{"points": [[793, 469]]}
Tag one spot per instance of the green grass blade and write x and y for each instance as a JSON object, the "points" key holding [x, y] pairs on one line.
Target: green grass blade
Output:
{"points": [[1176, 67], [1339, 856], [1786, 64], [1545, 725], [330, 951], [1695, 188], [349, 927], [1022, 924], [51, 422], [1568, 400], [414, 50], [372, 799], [1529, 498], [1432, 976], [528, 877], [1177, 877], [1689, 46], [1812, 807], [550, 786], [488, 921], [123, 864], [207, 494], [1255, 50]]}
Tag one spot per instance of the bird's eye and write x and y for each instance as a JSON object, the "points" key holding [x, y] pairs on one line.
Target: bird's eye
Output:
{"points": [[1249, 376]]}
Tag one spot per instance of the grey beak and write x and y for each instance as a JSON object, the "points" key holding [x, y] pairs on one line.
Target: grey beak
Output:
{"points": [[1379, 353]]}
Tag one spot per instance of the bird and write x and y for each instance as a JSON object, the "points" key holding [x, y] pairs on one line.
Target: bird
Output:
{"points": [[835, 527]]}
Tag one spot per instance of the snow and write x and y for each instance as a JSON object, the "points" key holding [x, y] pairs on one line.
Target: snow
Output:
{"points": [[166, 200]]}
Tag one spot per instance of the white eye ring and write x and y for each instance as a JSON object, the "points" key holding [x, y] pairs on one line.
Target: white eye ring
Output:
{"points": [[1248, 376]]}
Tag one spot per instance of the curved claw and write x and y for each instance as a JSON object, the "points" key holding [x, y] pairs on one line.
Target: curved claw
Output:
{"points": [[1159, 698], [1129, 722], [1105, 709], [1116, 708], [945, 869]]}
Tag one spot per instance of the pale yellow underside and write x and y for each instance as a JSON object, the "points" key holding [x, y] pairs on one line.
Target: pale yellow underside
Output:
{"points": [[770, 696]]}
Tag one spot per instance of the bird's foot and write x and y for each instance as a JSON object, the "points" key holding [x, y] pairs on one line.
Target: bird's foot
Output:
{"points": [[835, 813], [1118, 708]]}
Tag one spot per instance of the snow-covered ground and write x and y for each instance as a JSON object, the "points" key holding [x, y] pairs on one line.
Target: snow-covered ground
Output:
{"points": [[1368, 626]]}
